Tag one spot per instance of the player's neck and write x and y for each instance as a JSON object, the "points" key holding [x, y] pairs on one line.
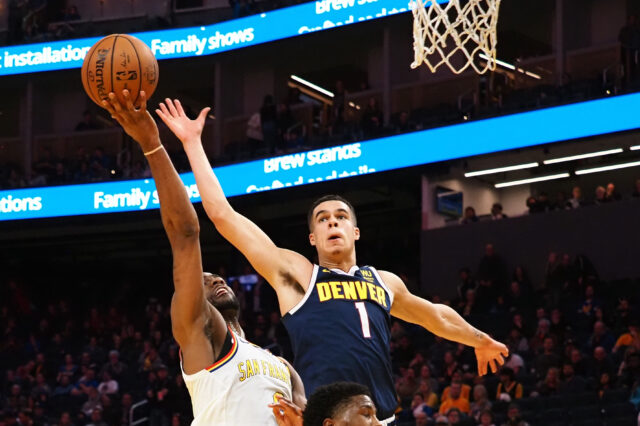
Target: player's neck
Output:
{"points": [[344, 264], [231, 318]]}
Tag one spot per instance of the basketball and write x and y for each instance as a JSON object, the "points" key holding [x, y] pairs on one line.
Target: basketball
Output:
{"points": [[118, 62]]}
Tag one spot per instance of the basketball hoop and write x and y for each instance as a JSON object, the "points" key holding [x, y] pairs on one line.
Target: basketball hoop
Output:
{"points": [[455, 34]]}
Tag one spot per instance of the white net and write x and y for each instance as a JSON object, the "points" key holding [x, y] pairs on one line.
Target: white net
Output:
{"points": [[460, 34]]}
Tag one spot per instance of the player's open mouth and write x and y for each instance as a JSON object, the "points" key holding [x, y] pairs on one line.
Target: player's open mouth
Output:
{"points": [[334, 237], [221, 291]]}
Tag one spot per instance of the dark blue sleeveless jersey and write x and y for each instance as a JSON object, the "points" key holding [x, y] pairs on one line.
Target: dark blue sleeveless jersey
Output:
{"points": [[340, 332]]}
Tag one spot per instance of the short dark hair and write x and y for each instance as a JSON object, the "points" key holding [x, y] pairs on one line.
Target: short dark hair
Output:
{"points": [[326, 401], [329, 197]]}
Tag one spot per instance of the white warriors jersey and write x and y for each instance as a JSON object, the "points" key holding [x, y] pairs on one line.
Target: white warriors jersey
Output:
{"points": [[238, 388]]}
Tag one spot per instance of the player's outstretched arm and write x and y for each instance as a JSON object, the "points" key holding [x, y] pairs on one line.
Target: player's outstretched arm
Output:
{"points": [[444, 322], [269, 261], [181, 225]]}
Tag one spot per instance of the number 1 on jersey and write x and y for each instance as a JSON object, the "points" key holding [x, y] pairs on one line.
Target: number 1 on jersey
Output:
{"points": [[364, 319]]}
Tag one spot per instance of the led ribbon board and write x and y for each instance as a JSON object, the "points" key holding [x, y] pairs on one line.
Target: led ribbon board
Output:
{"points": [[210, 39], [428, 146]]}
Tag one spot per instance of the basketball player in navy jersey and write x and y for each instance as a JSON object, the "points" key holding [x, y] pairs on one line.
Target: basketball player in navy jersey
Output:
{"points": [[231, 381], [336, 312]]}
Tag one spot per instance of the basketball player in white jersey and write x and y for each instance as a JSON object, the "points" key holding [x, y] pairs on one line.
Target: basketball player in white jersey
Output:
{"points": [[231, 381]]}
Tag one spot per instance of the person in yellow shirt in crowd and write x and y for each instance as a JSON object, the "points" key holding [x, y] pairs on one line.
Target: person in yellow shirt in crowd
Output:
{"points": [[465, 389], [455, 400], [631, 338]]}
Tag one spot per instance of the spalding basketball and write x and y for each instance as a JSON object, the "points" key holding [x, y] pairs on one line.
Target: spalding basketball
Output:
{"points": [[118, 62]]}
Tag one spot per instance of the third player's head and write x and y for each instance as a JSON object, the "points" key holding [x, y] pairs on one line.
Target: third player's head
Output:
{"points": [[341, 404], [219, 294], [333, 227]]}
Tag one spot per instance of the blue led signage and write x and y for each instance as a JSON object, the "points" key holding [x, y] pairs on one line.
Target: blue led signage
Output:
{"points": [[428, 146], [211, 39]]}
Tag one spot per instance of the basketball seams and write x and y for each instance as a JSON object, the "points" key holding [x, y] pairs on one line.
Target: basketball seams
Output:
{"points": [[139, 69], [92, 88], [113, 50], [88, 87]]}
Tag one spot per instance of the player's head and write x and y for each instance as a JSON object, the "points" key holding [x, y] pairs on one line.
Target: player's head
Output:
{"points": [[332, 225], [219, 294], [341, 404]]}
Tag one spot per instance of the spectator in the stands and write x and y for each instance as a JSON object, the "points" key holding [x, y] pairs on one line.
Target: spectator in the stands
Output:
{"points": [[88, 122], [547, 359], [630, 370], [516, 300], [455, 416], [516, 342], [601, 336], [636, 189], [542, 202], [601, 363], [371, 121], [480, 402], [467, 306], [426, 376], [576, 198], [469, 216], [509, 385], [465, 390], [629, 339], [549, 386], [269, 123], [72, 14], [496, 212], [402, 123], [407, 385], [611, 193], [571, 383], [337, 118], [542, 332], [429, 396], [532, 205], [486, 418], [418, 406], [493, 268], [601, 195], [108, 385], [455, 400], [513, 416], [466, 282]]}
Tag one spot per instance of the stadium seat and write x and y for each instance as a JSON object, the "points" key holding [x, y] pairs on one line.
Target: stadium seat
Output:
{"points": [[624, 409], [614, 396], [529, 404], [582, 399], [583, 413], [592, 422], [622, 421], [552, 415]]}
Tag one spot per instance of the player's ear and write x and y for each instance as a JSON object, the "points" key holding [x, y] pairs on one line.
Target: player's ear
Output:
{"points": [[328, 422], [356, 232], [312, 239]]}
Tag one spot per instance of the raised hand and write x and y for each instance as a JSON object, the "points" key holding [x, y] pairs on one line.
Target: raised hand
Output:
{"points": [[187, 130], [137, 122], [493, 353], [287, 413]]}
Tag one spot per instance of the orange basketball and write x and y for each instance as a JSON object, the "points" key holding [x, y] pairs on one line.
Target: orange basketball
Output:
{"points": [[118, 62]]}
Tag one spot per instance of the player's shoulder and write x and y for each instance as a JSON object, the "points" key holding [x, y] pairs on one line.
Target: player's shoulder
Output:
{"points": [[390, 278]]}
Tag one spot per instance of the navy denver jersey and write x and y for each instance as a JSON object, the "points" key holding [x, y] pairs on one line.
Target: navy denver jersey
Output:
{"points": [[340, 332]]}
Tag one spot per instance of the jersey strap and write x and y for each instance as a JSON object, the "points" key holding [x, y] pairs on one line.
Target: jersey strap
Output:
{"points": [[230, 342]]}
